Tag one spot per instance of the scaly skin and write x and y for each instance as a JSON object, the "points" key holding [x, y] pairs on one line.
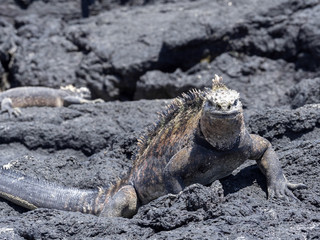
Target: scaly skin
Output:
{"points": [[20, 97], [200, 138]]}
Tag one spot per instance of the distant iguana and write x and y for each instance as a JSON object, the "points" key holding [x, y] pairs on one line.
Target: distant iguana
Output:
{"points": [[201, 137], [15, 98]]}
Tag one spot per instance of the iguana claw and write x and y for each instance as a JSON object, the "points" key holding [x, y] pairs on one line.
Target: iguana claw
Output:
{"points": [[282, 189]]}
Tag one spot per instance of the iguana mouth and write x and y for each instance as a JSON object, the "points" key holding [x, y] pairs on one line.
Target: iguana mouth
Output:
{"points": [[225, 114]]}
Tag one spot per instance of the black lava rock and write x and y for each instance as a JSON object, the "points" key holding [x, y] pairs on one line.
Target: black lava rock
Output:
{"points": [[156, 49]]}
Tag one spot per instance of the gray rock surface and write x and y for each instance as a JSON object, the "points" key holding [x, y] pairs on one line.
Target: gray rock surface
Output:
{"points": [[253, 76], [227, 208], [141, 49], [306, 92], [111, 51]]}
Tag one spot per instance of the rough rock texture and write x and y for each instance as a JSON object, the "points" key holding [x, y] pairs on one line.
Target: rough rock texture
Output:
{"points": [[306, 92], [137, 49], [227, 208], [111, 51], [253, 76]]}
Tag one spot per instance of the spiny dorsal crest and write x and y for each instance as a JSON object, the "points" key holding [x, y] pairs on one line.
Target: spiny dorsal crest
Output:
{"points": [[217, 83], [74, 89], [190, 100], [69, 87]]}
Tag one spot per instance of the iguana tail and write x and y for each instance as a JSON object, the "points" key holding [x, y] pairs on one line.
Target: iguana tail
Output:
{"points": [[33, 193]]}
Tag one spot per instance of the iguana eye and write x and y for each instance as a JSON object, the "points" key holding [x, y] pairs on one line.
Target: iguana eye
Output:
{"points": [[210, 104], [236, 102]]}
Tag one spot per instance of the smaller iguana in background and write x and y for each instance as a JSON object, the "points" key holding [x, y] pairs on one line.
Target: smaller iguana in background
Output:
{"points": [[20, 97], [200, 138]]}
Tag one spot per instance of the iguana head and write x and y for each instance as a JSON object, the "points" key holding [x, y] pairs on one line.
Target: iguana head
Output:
{"points": [[82, 92], [221, 101], [222, 116]]}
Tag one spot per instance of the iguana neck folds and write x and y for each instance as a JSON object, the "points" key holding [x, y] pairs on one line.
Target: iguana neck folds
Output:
{"points": [[223, 133]]}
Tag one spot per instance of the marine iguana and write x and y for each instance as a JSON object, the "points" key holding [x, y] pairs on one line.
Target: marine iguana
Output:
{"points": [[15, 98], [201, 137]]}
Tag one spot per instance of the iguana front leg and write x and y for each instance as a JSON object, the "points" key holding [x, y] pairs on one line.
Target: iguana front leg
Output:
{"points": [[268, 162], [6, 106], [173, 169]]}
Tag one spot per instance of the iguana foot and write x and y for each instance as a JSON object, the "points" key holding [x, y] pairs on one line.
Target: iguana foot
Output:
{"points": [[12, 112], [6, 106], [282, 189], [99, 100], [86, 101]]}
